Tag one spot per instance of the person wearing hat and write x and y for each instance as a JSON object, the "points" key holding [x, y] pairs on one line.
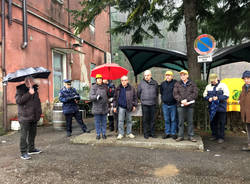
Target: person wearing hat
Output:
{"points": [[69, 97], [244, 106], [169, 105], [185, 92], [99, 97], [217, 93]]}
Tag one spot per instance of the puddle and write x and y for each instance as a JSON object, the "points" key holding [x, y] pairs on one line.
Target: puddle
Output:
{"points": [[166, 171]]}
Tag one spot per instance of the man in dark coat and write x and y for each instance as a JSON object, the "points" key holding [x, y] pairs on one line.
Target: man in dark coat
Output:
{"points": [[185, 92], [29, 112], [148, 94], [69, 97], [125, 101], [111, 115], [244, 106], [169, 107]]}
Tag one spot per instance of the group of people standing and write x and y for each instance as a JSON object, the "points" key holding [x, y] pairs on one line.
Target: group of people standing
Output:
{"points": [[177, 96], [178, 99]]}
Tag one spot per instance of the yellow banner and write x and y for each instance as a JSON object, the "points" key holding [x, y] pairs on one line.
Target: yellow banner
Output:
{"points": [[235, 86]]}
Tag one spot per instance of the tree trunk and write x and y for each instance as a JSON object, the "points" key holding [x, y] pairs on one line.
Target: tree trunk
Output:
{"points": [[191, 34]]}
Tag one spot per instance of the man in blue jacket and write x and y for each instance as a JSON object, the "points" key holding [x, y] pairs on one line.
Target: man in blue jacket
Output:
{"points": [[169, 105], [69, 97], [217, 93]]}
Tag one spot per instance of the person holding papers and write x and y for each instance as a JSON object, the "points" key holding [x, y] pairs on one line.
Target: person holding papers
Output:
{"points": [[185, 92]]}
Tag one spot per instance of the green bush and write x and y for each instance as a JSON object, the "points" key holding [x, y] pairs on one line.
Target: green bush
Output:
{"points": [[201, 117]]}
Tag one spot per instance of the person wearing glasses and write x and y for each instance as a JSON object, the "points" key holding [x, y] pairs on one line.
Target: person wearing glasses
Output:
{"points": [[125, 101], [69, 97]]}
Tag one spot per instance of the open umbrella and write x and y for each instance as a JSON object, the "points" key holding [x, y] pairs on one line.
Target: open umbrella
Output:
{"points": [[19, 75], [111, 71]]}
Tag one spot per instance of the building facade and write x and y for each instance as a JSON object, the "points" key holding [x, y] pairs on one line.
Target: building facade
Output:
{"points": [[46, 39]]}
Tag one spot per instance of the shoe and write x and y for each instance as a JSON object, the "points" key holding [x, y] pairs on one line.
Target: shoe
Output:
{"points": [[104, 136], [98, 137], [68, 134], [120, 136], [246, 148], [220, 141], [165, 136], [212, 138], [87, 131], [192, 139], [153, 136], [131, 136], [179, 139], [174, 137], [25, 156], [34, 152], [145, 136]]}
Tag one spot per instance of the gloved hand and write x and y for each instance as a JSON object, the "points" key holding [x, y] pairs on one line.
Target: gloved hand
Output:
{"points": [[69, 99]]}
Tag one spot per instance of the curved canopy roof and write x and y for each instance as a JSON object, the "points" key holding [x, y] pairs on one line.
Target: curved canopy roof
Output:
{"points": [[143, 58]]}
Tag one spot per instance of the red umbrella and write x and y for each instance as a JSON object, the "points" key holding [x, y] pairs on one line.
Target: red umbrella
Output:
{"points": [[111, 71]]}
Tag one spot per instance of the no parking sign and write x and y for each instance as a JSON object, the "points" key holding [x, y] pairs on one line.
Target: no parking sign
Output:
{"points": [[204, 44]]}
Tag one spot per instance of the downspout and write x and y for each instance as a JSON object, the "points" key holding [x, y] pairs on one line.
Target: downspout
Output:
{"points": [[10, 12], [25, 30], [110, 34], [3, 66]]}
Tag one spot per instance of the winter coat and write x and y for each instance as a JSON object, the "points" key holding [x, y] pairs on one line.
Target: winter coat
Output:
{"points": [[148, 92], [182, 91], [245, 104], [68, 97], [99, 106], [29, 106], [166, 90], [221, 91], [131, 97]]}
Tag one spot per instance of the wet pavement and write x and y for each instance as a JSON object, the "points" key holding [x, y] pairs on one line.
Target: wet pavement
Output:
{"points": [[66, 163]]}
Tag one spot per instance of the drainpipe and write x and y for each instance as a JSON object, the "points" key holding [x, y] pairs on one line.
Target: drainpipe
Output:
{"points": [[25, 30], [110, 36], [10, 12], [3, 65]]}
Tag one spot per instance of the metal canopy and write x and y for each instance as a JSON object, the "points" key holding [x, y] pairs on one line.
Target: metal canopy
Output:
{"points": [[143, 58]]}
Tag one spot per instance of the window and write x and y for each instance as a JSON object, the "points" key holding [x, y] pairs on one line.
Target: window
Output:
{"points": [[60, 1], [92, 66], [59, 71]]}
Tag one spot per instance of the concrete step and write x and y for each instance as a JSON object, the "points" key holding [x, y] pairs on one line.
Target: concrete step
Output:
{"points": [[138, 141]]}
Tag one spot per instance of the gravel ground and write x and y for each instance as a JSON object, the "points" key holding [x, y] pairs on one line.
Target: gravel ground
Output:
{"points": [[64, 163]]}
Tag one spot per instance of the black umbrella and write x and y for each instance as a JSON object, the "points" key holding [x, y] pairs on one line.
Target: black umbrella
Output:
{"points": [[19, 75]]}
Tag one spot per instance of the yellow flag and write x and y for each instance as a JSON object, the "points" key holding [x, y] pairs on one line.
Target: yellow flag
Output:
{"points": [[235, 86]]}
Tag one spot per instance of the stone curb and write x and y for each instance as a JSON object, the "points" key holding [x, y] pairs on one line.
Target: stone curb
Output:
{"points": [[139, 141]]}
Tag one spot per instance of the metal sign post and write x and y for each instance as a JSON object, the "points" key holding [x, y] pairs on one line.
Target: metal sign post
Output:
{"points": [[204, 45]]}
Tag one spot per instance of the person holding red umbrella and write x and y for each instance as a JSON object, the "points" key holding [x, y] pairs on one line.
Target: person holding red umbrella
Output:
{"points": [[99, 97]]}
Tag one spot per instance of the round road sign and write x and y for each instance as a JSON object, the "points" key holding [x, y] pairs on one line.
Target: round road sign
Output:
{"points": [[204, 44]]}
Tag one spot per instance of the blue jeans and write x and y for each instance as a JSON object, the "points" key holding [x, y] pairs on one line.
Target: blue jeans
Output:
{"points": [[100, 123], [185, 113], [124, 113], [169, 113]]}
